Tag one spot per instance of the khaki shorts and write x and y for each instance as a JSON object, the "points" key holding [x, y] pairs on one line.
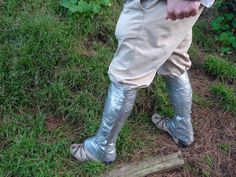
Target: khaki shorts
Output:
{"points": [[150, 44]]}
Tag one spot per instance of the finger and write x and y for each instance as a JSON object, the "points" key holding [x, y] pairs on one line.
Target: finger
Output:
{"points": [[180, 15], [187, 14], [194, 12], [171, 16]]}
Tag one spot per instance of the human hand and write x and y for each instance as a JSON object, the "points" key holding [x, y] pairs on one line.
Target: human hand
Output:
{"points": [[180, 9]]}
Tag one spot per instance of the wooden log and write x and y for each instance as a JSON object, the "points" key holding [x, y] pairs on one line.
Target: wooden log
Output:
{"points": [[143, 168]]}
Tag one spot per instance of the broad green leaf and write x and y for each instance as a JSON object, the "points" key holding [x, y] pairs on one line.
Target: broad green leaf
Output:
{"points": [[223, 36], [232, 39], [96, 8], [106, 3], [64, 3], [225, 27], [234, 23], [84, 6], [73, 1], [70, 5], [234, 44], [217, 23], [224, 49], [73, 8], [229, 16]]}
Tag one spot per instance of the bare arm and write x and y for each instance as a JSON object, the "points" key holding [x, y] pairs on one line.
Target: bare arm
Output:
{"points": [[180, 9]]}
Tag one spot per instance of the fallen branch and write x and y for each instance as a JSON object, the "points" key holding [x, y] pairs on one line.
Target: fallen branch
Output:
{"points": [[143, 168]]}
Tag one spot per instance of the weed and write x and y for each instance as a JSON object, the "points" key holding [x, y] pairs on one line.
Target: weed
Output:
{"points": [[224, 147], [209, 161], [206, 173], [84, 7]]}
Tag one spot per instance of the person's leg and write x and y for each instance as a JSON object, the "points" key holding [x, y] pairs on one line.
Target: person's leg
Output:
{"points": [[180, 92], [120, 99], [145, 41], [119, 103], [102, 146], [177, 81]]}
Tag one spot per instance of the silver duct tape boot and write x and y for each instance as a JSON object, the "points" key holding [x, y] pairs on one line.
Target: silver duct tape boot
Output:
{"points": [[180, 92], [118, 105]]}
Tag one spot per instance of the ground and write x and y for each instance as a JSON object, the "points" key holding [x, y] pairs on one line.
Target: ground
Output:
{"points": [[214, 150], [53, 83]]}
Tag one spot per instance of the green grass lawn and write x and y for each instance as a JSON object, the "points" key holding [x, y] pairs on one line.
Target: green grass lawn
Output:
{"points": [[53, 65], [53, 83]]}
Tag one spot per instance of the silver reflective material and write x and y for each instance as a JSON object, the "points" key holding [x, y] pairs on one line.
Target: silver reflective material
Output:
{"points": [[180, 92], [118, 105]]}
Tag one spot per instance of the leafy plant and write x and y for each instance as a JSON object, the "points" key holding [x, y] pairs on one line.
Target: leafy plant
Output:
{"points": [[225, 25], [224, 147], [85, 6]]}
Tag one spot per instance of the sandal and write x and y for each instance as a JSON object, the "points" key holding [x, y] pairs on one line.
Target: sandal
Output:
{"points": [[80, 153], [161, 123]]}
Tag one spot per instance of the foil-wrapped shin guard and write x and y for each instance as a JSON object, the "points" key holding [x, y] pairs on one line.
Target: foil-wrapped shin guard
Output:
{"points": [[118, 105], [180, 92]]}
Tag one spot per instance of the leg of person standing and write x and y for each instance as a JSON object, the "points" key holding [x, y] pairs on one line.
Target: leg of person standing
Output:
{"points": [[146, 40], [180, 91]]}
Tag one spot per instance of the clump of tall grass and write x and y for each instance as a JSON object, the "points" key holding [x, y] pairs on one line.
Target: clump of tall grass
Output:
{"points": [[220, 68], [226, 96]]}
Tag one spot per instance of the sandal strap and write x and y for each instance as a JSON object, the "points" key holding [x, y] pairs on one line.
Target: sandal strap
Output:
{"points": [[77, 148], [161, 123], [81, 154], [165, 120]]}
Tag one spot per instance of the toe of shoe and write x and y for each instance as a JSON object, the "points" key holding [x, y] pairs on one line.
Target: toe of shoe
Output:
{"points": [[79, 153], [74, 152], [183, 144], [156, 118]]}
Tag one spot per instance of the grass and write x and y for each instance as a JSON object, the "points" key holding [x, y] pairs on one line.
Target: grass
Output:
{"points": [[200, 32], [196, 56], [224, 147], [220, 68], [200, 101], [29, 148], [160, 98], [209, 161], [226, 96], [44, 74], [53, 64]]}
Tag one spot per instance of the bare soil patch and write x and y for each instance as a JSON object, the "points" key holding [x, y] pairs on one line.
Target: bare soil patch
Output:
{"points": [[53, 123]]}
